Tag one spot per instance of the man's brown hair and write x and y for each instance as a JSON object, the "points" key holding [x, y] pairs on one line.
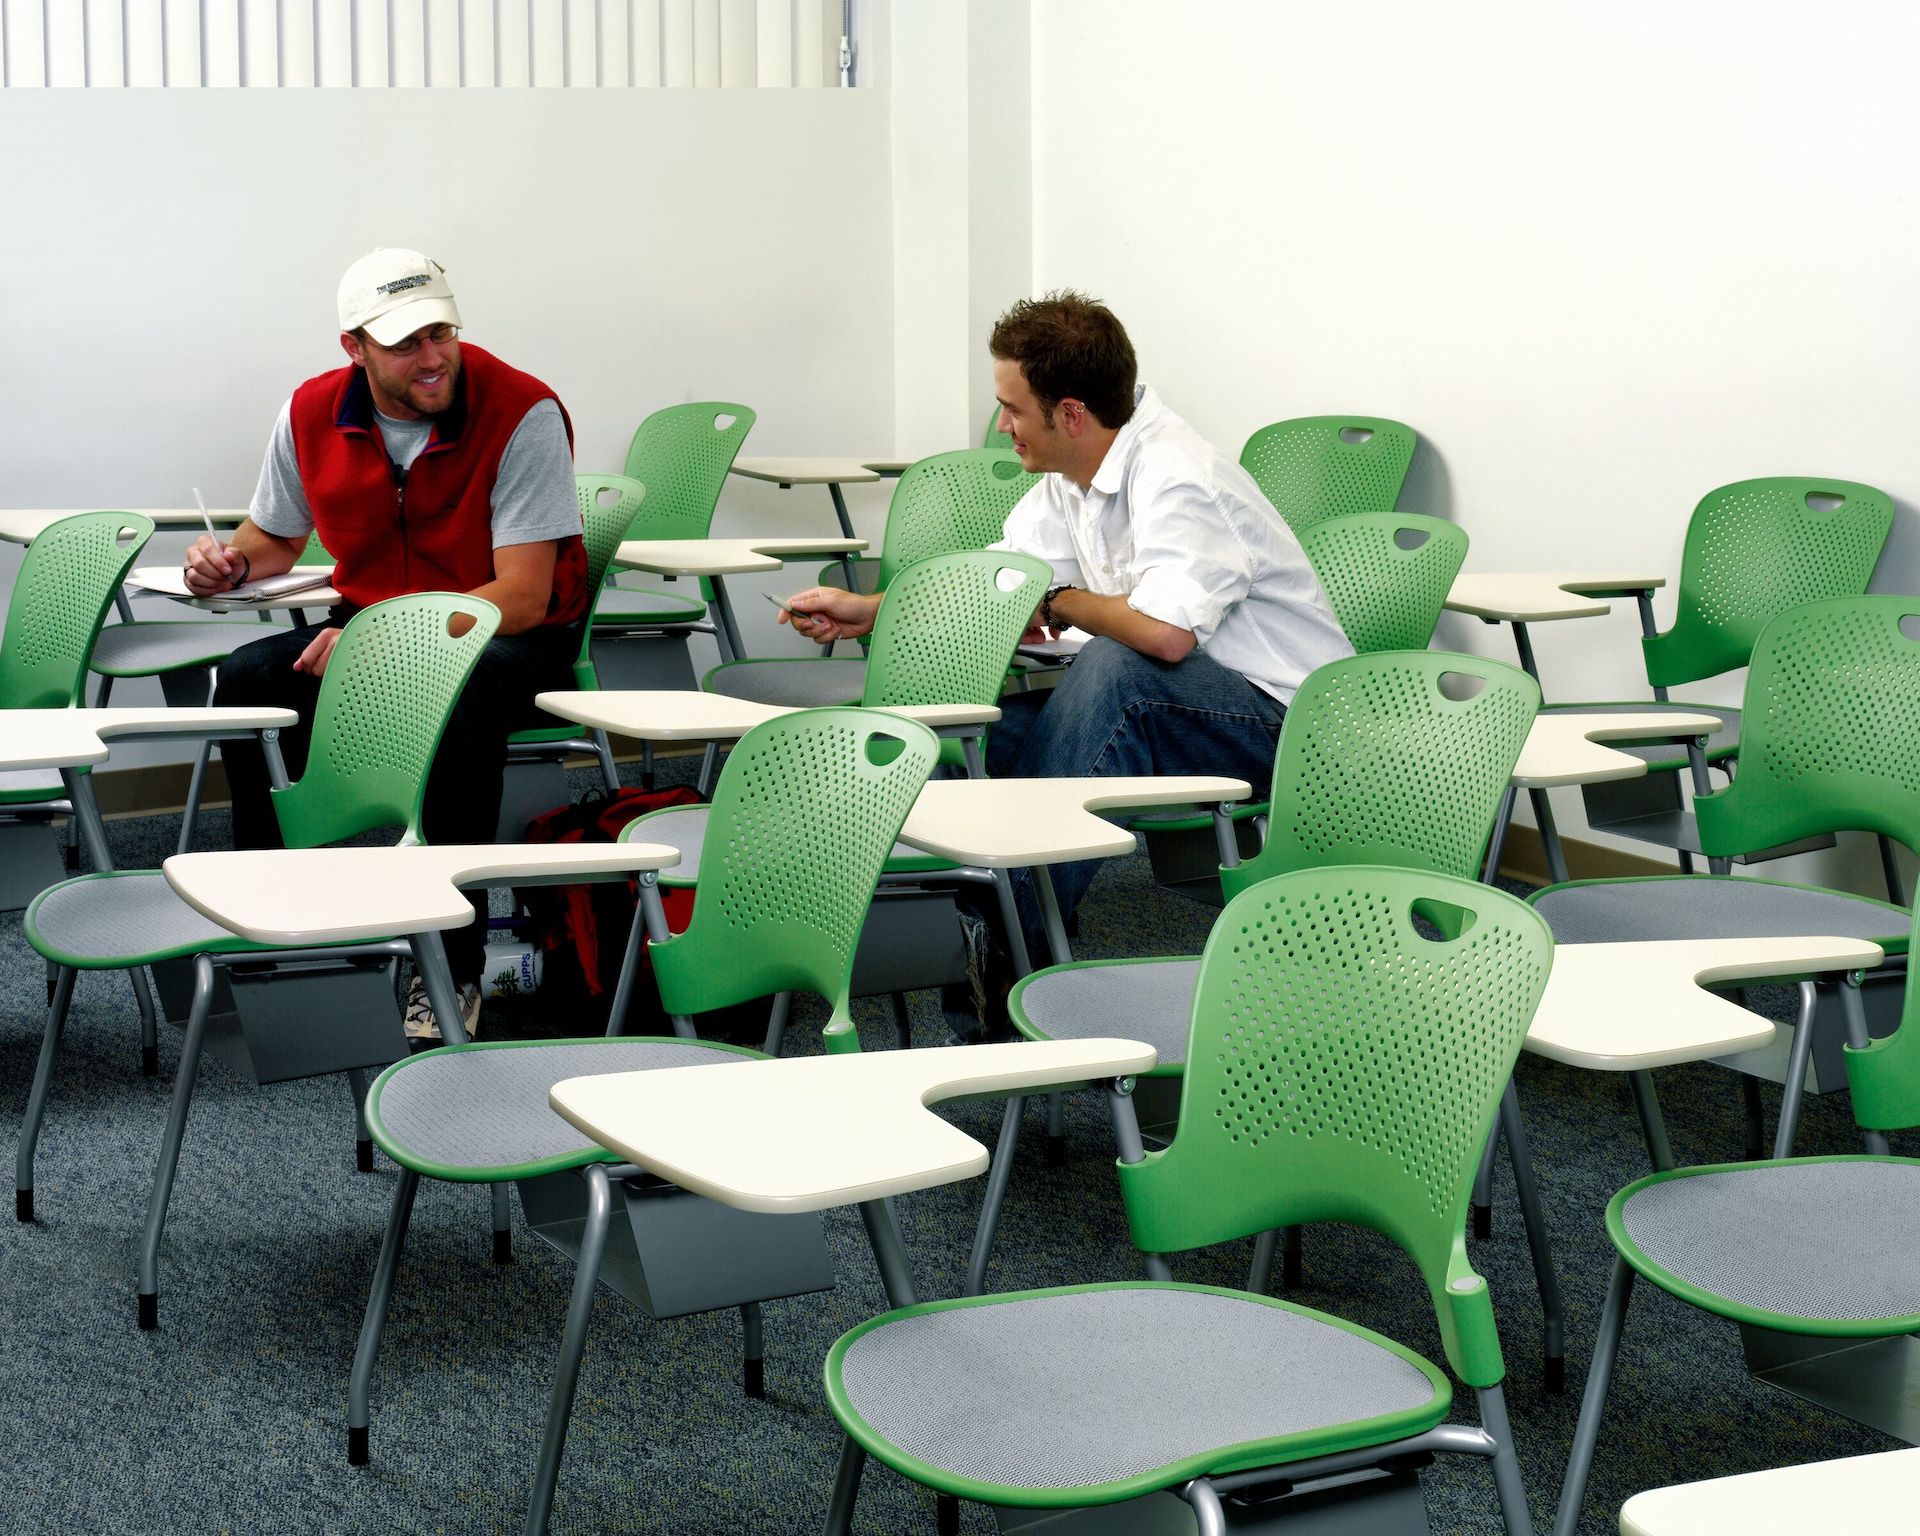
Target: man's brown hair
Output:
{"points": [[1070, 347]]}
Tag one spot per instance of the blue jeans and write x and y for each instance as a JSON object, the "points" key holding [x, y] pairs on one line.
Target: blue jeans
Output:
{"points": [[1118, 714]]}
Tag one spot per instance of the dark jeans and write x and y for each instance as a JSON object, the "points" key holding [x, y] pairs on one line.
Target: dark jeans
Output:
{"points": [[1117, 714], [463, 787]]}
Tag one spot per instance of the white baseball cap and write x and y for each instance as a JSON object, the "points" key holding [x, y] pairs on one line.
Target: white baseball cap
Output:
{"points": [[391, 293]]}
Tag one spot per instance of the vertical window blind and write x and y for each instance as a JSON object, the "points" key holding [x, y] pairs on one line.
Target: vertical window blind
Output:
{"points": [[385, 43]]}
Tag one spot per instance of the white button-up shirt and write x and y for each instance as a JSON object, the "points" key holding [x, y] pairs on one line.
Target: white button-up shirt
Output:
{"points": [[1186, 537]]}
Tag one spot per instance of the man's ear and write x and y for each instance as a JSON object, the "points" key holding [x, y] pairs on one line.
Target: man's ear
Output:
{"points": [[350, 344]]}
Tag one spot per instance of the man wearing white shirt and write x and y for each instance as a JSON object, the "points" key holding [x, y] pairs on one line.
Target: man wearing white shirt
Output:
{"points": [[1205, 612]]}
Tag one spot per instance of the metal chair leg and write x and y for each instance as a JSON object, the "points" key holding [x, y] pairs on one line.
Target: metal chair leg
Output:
{"points": [[1260, 1271], [1506, 1462], [144, 1000], [360, 1382], [1853, 1010], [1552, 1309], [196, 785], [29, 1138], [997, 1175], [902, 1024], [362, 1138], [603, 749], [1056, 1130], [777, 1017], [500, 1209], [586, 1279], [169, 1162], [1586, 1433], [846, 1489], [1652, 1125], [1483, 1185], [753, 1351], [1795, 1087]]}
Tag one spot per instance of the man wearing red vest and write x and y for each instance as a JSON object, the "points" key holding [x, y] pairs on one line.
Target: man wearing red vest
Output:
{"points": [[423, 466]]}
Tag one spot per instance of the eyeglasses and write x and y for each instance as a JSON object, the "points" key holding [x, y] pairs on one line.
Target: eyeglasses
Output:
{"points": [[440, 335]]}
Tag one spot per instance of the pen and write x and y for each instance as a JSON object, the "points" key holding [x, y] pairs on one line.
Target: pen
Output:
{"points": [[205, 516]]}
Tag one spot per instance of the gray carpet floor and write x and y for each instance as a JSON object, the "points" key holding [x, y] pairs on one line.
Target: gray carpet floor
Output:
{"points": [[231, 1417]]}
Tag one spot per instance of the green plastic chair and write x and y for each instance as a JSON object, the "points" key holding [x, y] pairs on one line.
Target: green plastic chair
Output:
{"points": [[1345, 1066], [68, 579], [608, 506], [1384, 759], [388, 690], [179, 651], [67, 582], [1829, 747], [993, 437], [1387, 574], [945, 633], [805, 811], [1816, 1247], [681, 455], [1753, 549], [942, 505], [1315, 467]]}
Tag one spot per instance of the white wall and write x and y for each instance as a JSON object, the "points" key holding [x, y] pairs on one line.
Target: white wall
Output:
{"points": [[171, 259], [1603, 258]]}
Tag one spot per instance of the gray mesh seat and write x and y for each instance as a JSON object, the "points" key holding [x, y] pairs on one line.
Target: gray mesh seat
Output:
{"points": [[1807, 1240], [618, 606], [482, 1114], [149, 647], [803, 683], [108, 922], [1150, 1000], [1711, 907], [1228, 1371], [20, 786]]}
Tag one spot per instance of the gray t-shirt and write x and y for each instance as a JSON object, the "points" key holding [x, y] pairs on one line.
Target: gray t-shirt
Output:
{"points": [[533, 495]]}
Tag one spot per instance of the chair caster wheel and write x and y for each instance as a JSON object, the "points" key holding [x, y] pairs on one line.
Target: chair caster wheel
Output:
{"points": [[1056, 1151], [503, 1247], [23, 1205], [363, 1162], [357, 1445], [1554, 1377], [947, 1516], [149, 1310], [149, 1061], [1483, 1221], [754, 1378]]}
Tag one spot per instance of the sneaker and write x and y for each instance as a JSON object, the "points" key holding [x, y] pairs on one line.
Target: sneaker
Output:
{"points": [[423, 1029]]}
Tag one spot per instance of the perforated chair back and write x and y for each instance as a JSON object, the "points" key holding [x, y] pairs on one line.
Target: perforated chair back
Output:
{"points": [[1387, 759], [1344, 1065], [389, 688], [948, 626], [66, 584], [1315, 467], [950, 502], [1755, 549], [804, 816], [315, 553], [1830, 730], [608, 506], [1387, 574], [682, 455], [993, 437]]}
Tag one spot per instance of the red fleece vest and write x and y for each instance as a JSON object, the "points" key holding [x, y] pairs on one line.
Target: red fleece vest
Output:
{"points": [[435, 532]]}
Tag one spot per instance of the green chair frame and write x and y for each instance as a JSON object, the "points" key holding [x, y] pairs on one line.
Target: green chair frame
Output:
{"points": [[803, 818], [609, 504], [389, 688], [1884, 1075], [1315, 467], [1345, 1066], [1387, 575], [944, 504]]}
